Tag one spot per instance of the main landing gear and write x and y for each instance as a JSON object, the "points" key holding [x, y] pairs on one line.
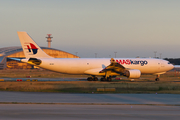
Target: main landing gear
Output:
{"points": [[107, 76], [106, 79], [93, 78]]}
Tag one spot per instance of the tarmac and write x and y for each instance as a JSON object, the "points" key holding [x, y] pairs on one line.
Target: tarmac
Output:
{"points": [[87, 112], [43, 79], [43, 97], [46, 106]]}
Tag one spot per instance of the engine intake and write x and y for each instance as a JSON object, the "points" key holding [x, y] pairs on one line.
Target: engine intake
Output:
{"points": [[132, 73]]}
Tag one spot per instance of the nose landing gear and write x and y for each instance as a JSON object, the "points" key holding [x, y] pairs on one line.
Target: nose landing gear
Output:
{"points": [[157, 77]]}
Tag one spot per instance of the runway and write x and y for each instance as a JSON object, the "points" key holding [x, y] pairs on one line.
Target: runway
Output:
{"points": [[41, 97], [88, 112], [46, 106]]}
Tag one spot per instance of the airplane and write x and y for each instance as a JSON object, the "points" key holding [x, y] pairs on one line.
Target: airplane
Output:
{"points": [[108, 68]]}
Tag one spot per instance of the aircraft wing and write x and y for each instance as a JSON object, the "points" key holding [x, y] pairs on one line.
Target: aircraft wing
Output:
{"points": [[114, 67]]}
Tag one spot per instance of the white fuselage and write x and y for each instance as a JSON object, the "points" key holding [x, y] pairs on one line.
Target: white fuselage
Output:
{"points": [[92, 66]]}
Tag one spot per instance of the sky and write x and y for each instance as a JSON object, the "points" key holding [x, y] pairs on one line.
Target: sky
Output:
{"points": [[87, 27]]}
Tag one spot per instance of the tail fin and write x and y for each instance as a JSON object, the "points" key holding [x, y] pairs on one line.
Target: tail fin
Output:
{"points": [[30, 48]]}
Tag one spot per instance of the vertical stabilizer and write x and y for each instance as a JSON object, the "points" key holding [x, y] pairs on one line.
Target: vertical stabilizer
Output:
{"points": [[30, 48]]}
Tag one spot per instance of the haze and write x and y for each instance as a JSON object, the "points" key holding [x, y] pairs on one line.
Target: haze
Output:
{"points": [[130, 28]]}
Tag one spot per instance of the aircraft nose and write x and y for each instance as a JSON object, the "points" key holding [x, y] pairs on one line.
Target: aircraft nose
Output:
{"points": [[171, 66]]}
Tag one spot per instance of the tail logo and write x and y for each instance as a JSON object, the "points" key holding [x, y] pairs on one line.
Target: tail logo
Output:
{"points": [[32, 48]]}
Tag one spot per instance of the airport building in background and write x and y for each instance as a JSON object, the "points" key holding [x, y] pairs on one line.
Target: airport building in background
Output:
{"points": [[17, 52]]}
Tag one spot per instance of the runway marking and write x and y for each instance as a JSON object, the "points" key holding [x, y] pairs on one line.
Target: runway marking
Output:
{"points": [[106, 89]]}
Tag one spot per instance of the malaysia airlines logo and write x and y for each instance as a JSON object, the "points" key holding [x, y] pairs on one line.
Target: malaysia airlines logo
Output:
{"points": [[31, 48]]}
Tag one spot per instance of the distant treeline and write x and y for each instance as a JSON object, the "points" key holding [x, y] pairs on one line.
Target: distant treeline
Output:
{"points": [[175, 61]]}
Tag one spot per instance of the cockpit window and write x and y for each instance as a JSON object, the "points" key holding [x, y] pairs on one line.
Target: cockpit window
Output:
{"points": [[169, 63]]}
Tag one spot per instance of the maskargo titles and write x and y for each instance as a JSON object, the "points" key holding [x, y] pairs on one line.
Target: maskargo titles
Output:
{"points": [[134, 62]]}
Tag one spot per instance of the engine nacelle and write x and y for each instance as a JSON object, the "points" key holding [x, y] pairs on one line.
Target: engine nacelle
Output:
{"points": [[132, 73]]}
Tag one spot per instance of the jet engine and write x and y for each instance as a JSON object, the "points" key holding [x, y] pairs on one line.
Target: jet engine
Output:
{"points": [[134, 73]]}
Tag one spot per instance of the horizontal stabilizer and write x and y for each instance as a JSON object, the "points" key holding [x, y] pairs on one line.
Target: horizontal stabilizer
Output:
{"points": [[16, 59]]}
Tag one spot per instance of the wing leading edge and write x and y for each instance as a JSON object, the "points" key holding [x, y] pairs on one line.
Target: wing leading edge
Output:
{"points": [[114, 67]]}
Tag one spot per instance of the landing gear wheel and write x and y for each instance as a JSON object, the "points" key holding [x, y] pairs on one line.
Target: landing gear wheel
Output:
{"points": [[157, 79], [109, 79], [92, 79], [89, 79], [95, 79], [103, 79]]}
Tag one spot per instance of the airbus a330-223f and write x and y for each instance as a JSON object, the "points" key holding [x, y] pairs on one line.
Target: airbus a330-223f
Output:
{"points": [[105, 67]]}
